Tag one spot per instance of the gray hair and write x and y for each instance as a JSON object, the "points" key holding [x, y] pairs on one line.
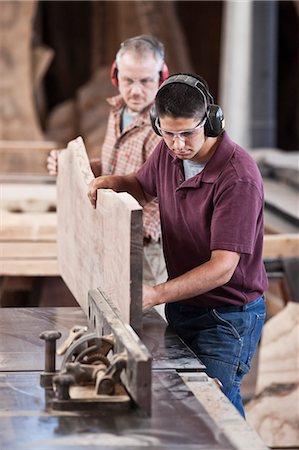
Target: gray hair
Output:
{"points": [[143, 44]]}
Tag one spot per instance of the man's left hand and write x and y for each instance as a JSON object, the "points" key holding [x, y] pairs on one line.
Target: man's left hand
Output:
{"points": [[150, 297]]}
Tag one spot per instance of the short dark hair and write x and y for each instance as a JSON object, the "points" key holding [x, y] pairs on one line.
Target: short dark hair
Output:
{"points": [[182, 100]]}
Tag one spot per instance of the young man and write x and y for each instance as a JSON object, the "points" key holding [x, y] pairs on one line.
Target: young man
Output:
{"points": [[138, 71], [210, 195]]}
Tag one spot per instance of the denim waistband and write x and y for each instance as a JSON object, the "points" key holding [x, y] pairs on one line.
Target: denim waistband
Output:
{"points": [[231, 308]]}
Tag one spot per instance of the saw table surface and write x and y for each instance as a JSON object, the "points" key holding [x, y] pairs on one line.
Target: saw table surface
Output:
{"points": [[22, 350], [179, 419]]}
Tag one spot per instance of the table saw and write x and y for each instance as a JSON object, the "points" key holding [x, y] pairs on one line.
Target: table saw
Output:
{"points": [[179, 419]]}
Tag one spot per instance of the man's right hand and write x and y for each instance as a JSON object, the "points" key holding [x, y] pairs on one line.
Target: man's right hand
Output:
{"points": [[52, 162], [118, 183], [104, 182]]}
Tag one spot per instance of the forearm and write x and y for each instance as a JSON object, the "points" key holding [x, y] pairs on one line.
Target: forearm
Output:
{"points": [[96, 166], [118, 183], [214, 273]]}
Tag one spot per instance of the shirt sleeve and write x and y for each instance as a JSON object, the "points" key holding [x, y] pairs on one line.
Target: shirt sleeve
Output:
{"points": [[150, 144], [147, 174], [237, 215]]}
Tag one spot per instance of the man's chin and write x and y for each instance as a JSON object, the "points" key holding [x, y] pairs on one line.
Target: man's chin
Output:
{"points": [[136, 106]]}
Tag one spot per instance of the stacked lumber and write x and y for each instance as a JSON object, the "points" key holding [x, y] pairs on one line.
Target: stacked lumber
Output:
{"points": [[280, 171], [28, 230]]}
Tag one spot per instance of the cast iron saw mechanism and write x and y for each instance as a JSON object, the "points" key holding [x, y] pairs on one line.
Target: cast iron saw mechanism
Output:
{"points": [[107, 368]]}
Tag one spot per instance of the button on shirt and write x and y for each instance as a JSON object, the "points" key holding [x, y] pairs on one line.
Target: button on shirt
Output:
{"points": [[220, 208], [125, 151]]}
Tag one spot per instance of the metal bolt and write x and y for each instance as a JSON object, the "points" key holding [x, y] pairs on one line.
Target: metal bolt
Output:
{"points": [[106, 386], [62, 384], [50, 338]]}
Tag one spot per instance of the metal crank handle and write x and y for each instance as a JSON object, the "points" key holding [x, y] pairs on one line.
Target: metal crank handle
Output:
{"points": [[75, 333]]}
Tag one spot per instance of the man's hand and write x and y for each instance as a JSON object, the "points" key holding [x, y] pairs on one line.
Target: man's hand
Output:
{"points": [[52, 162], [118, 183], [92, 192], [150, 297], [105, 182], [96, 166]]}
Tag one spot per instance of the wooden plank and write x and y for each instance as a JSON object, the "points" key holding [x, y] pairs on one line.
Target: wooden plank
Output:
{"points": [[28, 226], [29, 267], [222, 412], [28, 197], [281, 246], [282, 199], [21, 250], [274, 223], [102, 247]]}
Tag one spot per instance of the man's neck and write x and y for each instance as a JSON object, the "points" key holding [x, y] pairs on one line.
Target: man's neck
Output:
{"points": [[208, 149], [130, 111]]}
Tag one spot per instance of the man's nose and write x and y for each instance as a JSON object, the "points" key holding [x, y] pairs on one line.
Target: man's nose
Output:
{"points": [[136, 87], [178, 142]]}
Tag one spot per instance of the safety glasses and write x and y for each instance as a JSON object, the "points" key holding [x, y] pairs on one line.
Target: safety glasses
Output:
{"points": [[184, 134]]}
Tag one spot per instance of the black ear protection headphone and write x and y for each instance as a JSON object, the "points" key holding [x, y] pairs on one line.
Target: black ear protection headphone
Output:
{"points": [[214, 124], [157, 47]]}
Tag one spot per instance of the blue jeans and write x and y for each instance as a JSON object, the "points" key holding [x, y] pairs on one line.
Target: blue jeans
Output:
{"points": [[223, 338]]}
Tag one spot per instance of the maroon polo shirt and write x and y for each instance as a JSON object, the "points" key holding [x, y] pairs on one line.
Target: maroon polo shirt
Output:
{"points": [[220, 208]]}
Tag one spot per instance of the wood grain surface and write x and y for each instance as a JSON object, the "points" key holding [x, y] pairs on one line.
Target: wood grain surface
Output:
{"points": [[102, 247]]}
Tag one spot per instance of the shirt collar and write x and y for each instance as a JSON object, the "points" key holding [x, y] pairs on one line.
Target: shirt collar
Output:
{"points": [[215, 166], [117, 103]]}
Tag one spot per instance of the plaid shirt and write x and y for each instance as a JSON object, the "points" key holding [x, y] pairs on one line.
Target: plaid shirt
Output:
{"points": [[124, 152]]}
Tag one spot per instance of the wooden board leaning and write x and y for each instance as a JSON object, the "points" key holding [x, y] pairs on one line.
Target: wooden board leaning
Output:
{"points": [[102, 247]]}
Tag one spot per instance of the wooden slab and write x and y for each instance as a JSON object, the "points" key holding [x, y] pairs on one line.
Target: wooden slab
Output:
{"points": [[28, 229], [34, 226], [273, 411], [28, 197], [279, 349], [102, 247]]}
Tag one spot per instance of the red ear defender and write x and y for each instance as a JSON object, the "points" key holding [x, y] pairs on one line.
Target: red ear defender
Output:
{"points": [[113, 74], [164, 73]]}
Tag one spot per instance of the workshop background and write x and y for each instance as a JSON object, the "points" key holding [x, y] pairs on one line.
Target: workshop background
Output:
{"points": [[55, 60]]}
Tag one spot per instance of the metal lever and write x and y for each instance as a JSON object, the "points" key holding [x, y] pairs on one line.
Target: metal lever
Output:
{"points": [[75, 333]]}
